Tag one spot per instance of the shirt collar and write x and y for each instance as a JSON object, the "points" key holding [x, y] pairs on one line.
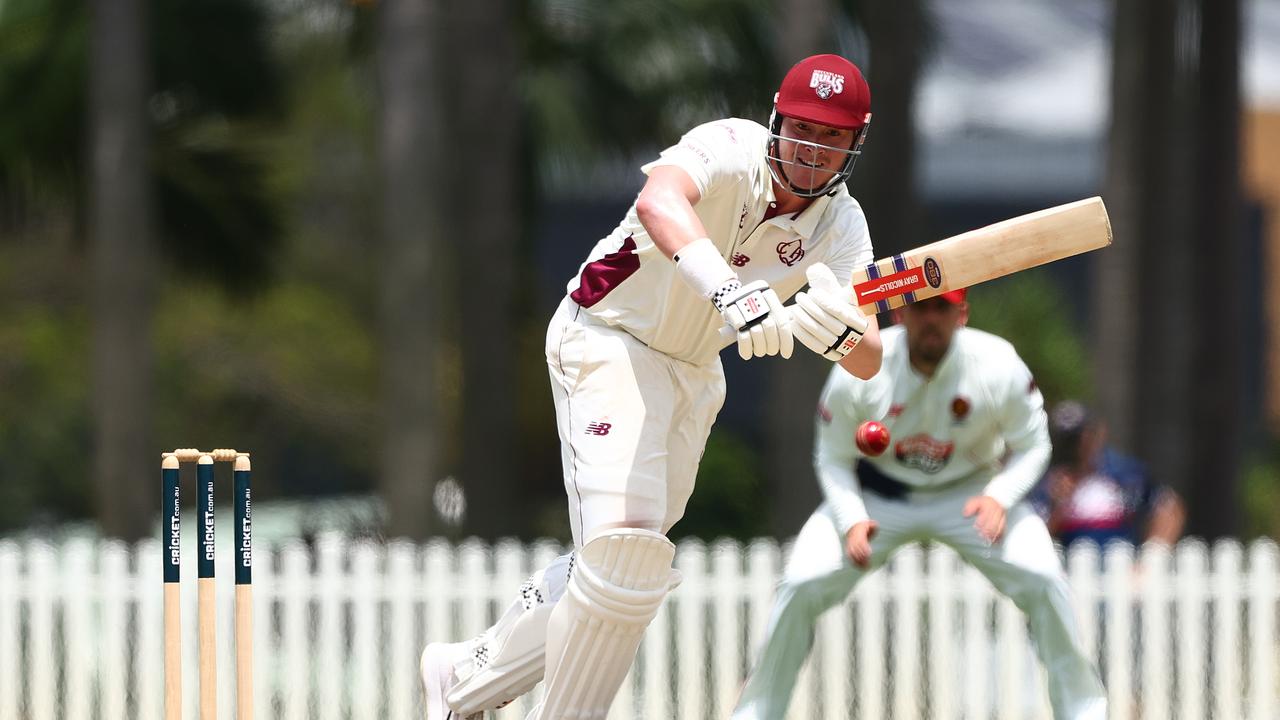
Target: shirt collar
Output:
{"points": [[805, 222]]}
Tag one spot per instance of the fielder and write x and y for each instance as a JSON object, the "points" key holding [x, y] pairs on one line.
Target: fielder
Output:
{"points": [[732, 219], [968, 440]]}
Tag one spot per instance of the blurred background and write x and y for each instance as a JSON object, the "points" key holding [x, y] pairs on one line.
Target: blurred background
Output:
{"points": [[331, 233]]}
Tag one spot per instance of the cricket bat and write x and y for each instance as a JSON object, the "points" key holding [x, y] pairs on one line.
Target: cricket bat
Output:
{"points": [[984, 254]]}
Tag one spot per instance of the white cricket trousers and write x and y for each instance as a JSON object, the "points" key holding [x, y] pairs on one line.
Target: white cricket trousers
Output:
{"points": [[633, 423], [1023, 565]]}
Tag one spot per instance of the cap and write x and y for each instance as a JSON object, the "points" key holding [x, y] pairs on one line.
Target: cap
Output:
{"points": [[827, 90], [955, 297]]}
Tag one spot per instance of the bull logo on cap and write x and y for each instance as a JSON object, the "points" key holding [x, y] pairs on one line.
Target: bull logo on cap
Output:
{"points": [[826, 83]]}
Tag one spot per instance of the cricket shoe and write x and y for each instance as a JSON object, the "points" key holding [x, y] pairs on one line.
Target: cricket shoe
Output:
{"points": [[438, 677]]}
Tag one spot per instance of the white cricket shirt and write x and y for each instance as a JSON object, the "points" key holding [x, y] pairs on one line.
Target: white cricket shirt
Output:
{"points": [[980, 406], [627, 282]]}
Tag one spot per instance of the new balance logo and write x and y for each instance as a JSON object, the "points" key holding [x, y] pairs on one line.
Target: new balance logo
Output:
{"points": [[739, 260], [598, 428]]}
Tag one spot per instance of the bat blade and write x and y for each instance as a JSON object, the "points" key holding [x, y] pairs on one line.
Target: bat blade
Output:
{"points": [[984, 254]]}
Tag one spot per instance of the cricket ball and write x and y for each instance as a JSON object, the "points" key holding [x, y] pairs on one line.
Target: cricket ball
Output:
{"points": [[872, 438]]}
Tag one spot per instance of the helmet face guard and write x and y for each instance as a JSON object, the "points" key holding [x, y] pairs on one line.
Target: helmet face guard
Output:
{"points": [[786, 172]]}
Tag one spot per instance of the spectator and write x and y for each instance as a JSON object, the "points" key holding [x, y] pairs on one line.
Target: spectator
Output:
{"points": [[1093, 492]]}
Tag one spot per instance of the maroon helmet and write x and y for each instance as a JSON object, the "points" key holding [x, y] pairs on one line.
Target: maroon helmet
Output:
{"points": [[824, 90]]}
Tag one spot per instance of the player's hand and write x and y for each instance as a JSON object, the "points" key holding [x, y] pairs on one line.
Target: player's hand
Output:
{"points": [[988, 516], [857, 542], [825, 319], [756, 318]]}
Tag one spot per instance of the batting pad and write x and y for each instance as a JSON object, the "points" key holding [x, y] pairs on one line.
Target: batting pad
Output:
{"points": [[621, 577]]}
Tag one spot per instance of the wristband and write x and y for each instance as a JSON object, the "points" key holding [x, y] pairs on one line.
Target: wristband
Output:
{"points": [[702, 267]]}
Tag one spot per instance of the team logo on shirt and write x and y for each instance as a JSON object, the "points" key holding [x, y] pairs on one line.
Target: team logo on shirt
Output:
{"points": [[790, 252], [826, 83], [960, 407], [924, 453], [895, 410], [599, 428], [738, 259]]}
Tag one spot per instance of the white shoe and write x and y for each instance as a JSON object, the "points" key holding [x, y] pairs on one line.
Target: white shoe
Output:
{"points": [[437, 678]]}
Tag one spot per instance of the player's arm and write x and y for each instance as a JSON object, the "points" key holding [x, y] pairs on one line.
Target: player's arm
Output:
{"points": [[1026, 434], [665, 209], [753, 311], [834, 457]]}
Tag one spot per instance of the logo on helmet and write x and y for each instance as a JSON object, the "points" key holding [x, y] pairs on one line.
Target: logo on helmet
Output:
{"points": [[826, 83]]}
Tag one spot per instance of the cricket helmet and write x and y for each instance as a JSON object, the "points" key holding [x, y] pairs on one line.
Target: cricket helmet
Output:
{"points": [[824, 90]]}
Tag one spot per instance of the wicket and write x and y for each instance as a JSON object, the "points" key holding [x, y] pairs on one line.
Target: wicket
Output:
{"points": [[206, 612]]}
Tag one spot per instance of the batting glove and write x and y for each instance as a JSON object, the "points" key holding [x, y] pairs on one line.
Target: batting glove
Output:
{"points": [[755, 315], [825, 319]]}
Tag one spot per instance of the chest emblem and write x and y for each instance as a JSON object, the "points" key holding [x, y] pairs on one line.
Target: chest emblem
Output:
{"points": [[960, 407], [924, 453], [790, 252], [738, 259]]}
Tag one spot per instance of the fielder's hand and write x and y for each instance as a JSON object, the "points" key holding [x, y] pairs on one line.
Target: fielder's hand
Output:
{"points": [[756, 317], [989, 520], [825, 319], [857, 542]]}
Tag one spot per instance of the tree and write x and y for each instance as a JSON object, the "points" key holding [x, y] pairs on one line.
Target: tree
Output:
{"points": [[1138, 356], [410, 297], [1214, 386], [123, 278], [484, 224], [1165, 361]]}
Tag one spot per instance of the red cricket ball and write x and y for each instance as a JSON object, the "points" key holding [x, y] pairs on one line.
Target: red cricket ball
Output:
{"points": [[872, 438]]}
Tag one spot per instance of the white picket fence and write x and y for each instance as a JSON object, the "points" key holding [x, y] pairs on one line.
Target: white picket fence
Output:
{"points": [[339, 626]]}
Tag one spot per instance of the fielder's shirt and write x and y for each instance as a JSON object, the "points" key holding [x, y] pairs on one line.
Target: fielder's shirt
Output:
{"points": [[980, 417], [627, 282]]}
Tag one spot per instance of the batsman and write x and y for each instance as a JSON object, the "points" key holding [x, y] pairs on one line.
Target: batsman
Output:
{"points": [[968, 440], [732, 220]]}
